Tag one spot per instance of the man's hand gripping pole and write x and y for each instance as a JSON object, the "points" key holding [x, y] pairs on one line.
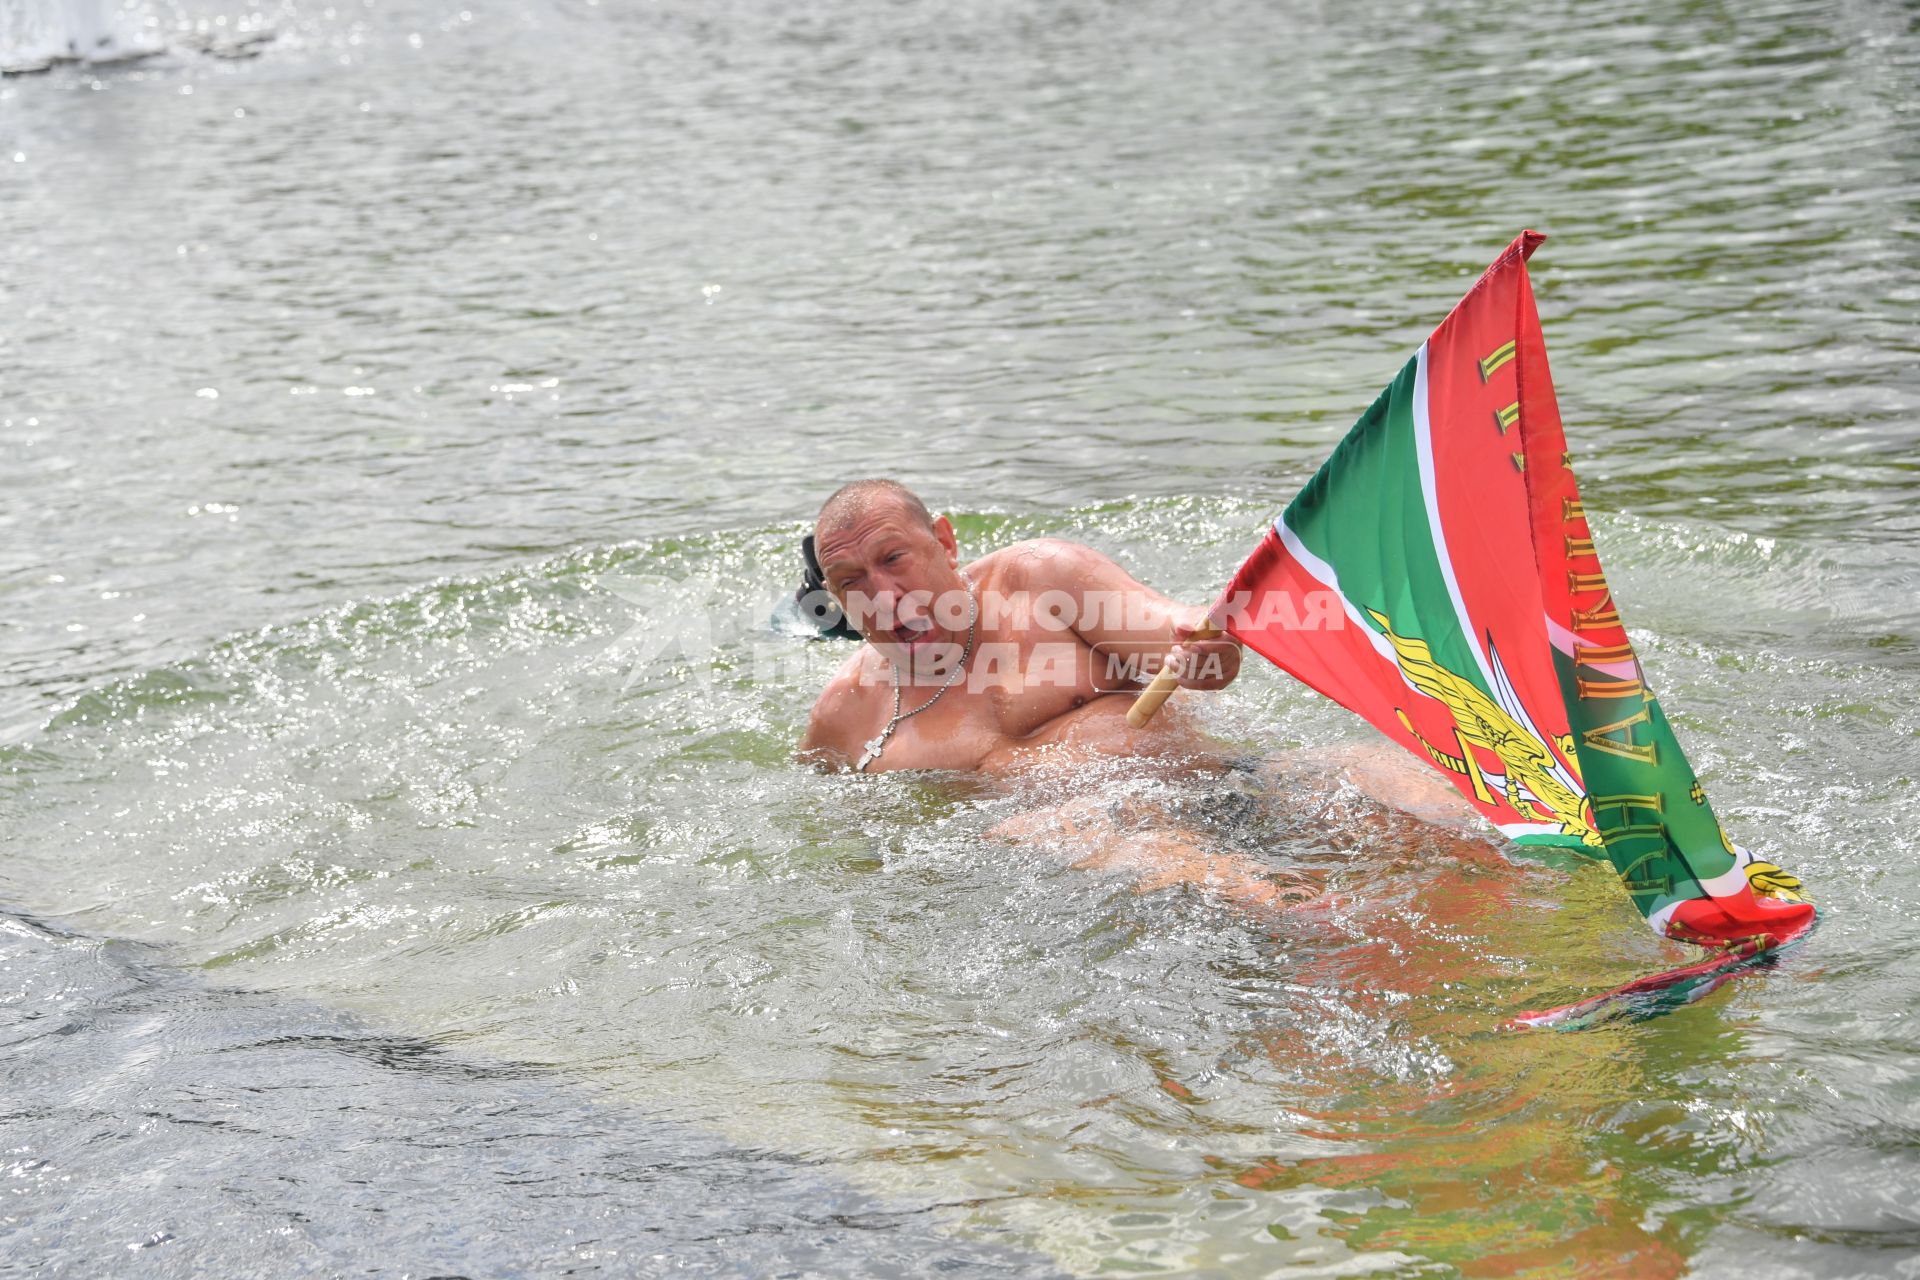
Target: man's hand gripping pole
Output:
{"points": [[1165, 682]]}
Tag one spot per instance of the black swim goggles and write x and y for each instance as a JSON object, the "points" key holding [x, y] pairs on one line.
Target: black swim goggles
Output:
{"points": [[814, 604]]}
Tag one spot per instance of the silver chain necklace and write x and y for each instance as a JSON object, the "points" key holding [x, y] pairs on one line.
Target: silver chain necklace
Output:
{"points": [[879, 742]]}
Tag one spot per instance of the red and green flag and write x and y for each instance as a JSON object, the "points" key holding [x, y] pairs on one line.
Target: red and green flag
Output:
{"points": [[1439, 577]]}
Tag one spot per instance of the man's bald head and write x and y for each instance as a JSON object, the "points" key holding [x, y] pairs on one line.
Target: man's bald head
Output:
{"points": [[876, 541], [852, 502]]}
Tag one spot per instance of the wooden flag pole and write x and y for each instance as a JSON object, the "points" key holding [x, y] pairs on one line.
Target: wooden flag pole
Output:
{"points": [[1165, 683]]}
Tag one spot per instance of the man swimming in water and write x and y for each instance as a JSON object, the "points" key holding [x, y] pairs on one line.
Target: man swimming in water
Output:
{"points": [[1027, 657], [1032, 646]]}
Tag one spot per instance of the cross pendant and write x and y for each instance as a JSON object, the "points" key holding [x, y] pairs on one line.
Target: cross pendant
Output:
{"points": [[873, 753]]}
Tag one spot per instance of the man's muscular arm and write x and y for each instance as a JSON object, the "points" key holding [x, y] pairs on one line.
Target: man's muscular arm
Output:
{"points": [[1116, 610], [832, 738]]}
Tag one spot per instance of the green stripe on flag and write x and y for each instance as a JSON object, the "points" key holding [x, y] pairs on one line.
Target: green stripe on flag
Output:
{"points": [[1383, 548]]}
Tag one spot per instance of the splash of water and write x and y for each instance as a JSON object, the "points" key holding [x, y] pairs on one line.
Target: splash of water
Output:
{"points": [[38, 34]]}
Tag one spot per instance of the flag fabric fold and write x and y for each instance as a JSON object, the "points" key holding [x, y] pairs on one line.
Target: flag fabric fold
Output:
{"points": [[1439, 577]]}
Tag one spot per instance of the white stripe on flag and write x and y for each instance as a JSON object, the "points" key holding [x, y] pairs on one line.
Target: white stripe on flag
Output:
{"points": [[1429, 492]]}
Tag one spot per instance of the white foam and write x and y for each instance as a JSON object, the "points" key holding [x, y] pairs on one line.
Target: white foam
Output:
{"points": [[36, 34]]}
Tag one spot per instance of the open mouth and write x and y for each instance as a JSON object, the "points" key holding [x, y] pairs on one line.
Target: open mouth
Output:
{"points": [[914, 632]]}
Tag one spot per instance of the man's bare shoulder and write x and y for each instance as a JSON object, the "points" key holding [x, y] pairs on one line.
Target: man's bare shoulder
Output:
{"points": [[842, 711], [1037, 564]]}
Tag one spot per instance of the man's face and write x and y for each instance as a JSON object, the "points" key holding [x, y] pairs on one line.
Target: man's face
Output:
{"points": [[897, 579]]}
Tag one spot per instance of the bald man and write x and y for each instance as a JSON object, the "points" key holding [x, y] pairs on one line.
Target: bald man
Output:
{"points": [[1044, 643]]}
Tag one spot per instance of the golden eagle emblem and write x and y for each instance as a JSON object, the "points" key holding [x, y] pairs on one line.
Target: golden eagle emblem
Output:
{"points": [[1533, 786]]}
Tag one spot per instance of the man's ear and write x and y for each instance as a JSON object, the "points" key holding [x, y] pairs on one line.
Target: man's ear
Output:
{"points": [[943, 530]]}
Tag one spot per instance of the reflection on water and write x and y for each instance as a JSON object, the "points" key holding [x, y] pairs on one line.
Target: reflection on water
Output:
{"points": [[406, 432]]}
